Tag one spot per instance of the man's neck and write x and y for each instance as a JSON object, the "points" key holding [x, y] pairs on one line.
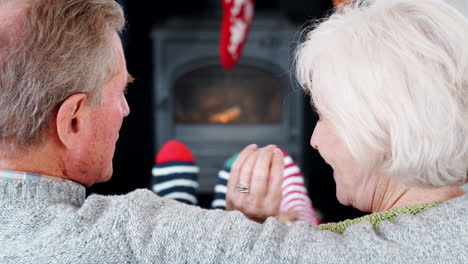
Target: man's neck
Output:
{"points": [[41, 160]]}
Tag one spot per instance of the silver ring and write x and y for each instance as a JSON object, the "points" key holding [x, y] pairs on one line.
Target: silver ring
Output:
{"points": [[242, 189]]}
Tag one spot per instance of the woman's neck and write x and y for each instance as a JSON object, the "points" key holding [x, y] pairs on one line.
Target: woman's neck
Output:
{"points": [[397, 195], [415, 196]]}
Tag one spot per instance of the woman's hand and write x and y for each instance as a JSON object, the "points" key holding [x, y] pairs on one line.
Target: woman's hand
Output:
{"points": [[260, 170]]}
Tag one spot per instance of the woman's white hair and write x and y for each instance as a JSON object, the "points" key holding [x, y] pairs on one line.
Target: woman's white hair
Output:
{"points": [[392, 77]]}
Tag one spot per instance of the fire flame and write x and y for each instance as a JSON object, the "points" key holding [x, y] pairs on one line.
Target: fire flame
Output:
{"points": [[227, 116]]}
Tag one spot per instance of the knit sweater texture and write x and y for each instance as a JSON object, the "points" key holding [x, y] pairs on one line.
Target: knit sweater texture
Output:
{"points": [[52, 222]]}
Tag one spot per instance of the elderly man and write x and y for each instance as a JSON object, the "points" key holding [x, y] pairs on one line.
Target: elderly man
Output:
{"points": [[62, 84]]}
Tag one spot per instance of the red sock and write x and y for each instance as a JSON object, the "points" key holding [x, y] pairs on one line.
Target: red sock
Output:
{"points": [[174, 150], [237, 17]]}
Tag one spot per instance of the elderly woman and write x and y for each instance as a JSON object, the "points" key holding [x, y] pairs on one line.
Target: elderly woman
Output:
{"points": [[389, 81]]}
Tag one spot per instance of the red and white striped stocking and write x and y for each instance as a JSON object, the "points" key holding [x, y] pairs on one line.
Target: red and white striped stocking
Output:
{"points": [[237, 18], [295, 196]]}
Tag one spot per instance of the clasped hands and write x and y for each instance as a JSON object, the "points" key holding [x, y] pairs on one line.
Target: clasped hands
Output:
{"points": [[260, 170]]}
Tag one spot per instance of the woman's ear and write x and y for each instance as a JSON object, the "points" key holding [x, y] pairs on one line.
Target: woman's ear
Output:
{"points": [[72, 121]]}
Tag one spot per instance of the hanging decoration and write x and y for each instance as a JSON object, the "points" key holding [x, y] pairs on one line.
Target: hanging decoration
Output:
{"points": [[235, 26]]}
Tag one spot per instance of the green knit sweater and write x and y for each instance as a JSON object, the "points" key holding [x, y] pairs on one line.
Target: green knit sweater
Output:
{"points": [[376, 218]]}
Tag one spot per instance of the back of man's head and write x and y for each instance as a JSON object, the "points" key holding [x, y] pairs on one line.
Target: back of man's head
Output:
{"points": [[50, 50]]}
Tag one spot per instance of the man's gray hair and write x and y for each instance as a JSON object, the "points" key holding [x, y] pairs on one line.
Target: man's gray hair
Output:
{"points": [[392, 77], [60, 48]]}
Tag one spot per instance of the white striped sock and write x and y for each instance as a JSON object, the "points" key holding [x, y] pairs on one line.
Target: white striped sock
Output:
{"points": [[223, 175], [291, 180], [173, 183], [291, 170], [297, 188], [218, 203], [174, 169], [220, 188], [182, 196], [295, 194]]}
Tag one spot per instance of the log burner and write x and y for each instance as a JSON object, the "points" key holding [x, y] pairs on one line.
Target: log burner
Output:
{"points": [[218, 112]]}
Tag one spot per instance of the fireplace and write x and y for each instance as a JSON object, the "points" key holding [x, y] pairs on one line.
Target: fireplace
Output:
{"points": [[218, 112], [245, 95]]}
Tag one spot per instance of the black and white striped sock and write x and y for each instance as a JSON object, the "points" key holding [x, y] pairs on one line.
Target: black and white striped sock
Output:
{"points": [[175, 173], [219, 200]]}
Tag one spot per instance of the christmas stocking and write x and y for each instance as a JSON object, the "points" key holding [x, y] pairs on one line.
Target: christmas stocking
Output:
{"points": [[339, 4], [237, 18]]}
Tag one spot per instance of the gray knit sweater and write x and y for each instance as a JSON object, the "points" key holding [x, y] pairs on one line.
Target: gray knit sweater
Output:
{"points": [[52, 222]]}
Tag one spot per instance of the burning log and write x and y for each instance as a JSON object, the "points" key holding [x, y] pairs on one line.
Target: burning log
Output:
{"points": [[227, 116]]}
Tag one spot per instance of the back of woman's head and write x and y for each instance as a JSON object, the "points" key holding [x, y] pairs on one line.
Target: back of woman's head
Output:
{"points": [[392, 77]]}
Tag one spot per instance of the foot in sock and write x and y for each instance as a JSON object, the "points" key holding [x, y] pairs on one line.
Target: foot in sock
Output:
{"points": [[294, 193], [175, 173], [295, 196], [219, 199]]}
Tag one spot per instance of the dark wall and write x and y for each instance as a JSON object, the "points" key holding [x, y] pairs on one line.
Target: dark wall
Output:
{"points": [[134, 153]]}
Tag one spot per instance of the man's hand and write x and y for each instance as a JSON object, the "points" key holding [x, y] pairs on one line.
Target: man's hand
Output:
{"points": [[260, 170]]}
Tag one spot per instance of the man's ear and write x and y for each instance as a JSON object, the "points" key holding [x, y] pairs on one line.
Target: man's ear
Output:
{"points": [[72, 121]]}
